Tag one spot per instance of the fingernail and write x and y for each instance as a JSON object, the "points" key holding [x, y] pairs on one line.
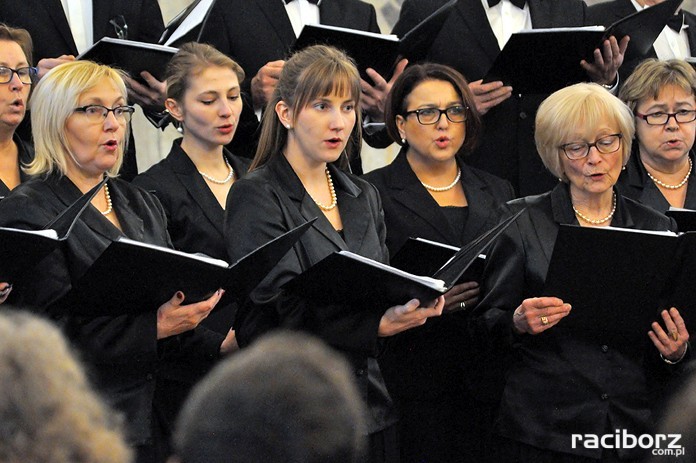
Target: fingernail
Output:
{"points": [[180, 295]]}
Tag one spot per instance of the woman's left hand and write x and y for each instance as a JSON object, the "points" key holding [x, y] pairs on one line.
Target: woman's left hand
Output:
{"points": [[463, 296], [671, 344]]}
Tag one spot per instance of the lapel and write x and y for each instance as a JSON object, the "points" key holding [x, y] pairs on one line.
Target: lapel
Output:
{"points": [[540, 12], [101, 14], [188, 175], [410, 193], [482, 205], [561, 212], [690, 20], [278, 20], [473, 14], [132, 224], [55, 11], [355, 210]]}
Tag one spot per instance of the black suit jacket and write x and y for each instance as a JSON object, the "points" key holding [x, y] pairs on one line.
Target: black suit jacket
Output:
{"points": [[467, 43], [25, 155], [268, 202], [634, 183], [430, 361], [556, 384], [607, 13], [122, 351], [254, 32], [46, 22]]}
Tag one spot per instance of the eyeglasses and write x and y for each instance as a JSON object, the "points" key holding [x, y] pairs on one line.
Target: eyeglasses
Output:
{"points": [[120, 26], [26, 74], [605, 145], [429, 116], [659, 118], [98, 113]]}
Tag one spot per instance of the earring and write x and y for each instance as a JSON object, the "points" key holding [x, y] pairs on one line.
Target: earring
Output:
{"points": [[623, 167], [287, 126], [403, 141]]}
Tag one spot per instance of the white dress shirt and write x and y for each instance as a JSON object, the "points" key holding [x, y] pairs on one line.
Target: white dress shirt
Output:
{"points": [[506, 19], [670, 44], [302, 12], [79, 16]]}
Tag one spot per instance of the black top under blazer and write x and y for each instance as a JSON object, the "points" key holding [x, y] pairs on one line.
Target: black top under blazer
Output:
{"points": [[634, 183], [557, 385], [270, 201], [25, 154], [122, 351], [431, 360]]}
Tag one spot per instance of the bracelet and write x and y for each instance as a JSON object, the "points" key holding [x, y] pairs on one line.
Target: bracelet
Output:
{"points": [[671, 362]]}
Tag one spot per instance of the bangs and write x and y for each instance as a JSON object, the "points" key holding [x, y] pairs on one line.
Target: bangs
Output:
{"points": [[328, 78]]}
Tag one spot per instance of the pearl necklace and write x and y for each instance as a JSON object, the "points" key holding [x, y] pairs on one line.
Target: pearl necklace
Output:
{"points": [[223, 181], [444, 188], [672, 187], [334, 200], [109, 205], [598, 221]]}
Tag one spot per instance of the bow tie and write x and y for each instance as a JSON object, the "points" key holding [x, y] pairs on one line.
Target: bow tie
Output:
{"points": [[518, 3], [676, 22], [316, 2]]}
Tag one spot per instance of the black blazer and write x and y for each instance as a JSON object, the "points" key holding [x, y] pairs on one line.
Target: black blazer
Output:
{"points": [[195, 219], [467, 43], [431, 360], [122, 351], [634, 183], [557, 385], [270, 201], [607, 13], [25, 154], [254, 32]]}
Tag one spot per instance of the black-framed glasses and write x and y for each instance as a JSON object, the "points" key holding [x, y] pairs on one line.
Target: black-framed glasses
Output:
{"points": [[606, 145], [98, 113], [429, 116], [120, 26], [660, 118], [26, 74]]}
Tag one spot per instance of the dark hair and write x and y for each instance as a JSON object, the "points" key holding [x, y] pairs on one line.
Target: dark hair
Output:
{"points": [[21, 37], [312, 72], [415, 75], [192, 59], [288, 398]]}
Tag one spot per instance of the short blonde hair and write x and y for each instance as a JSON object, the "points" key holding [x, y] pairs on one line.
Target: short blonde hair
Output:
{"points": [[48, 411], [652, 75], [54, 100], [579, 105]]}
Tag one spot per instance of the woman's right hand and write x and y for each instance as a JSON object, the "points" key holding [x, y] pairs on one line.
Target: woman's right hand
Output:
{"points": [[538, 314], [174, 318], [404, 317]]}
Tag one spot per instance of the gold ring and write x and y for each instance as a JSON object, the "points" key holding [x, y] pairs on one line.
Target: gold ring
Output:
{"points": [[544, 320], [675, 335]]}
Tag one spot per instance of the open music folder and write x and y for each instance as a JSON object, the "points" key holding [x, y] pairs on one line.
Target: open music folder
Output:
{"points": [[545, 60], [132, 277], [345, 277]]}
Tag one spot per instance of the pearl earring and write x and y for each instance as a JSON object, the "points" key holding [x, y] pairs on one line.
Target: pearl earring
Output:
{"points": [[287, 126], [403, 141]]}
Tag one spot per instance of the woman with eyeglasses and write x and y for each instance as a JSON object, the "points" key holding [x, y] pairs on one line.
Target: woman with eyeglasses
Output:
{"points": [[429, 192], [16, 77], [662, 96], [80, 118], [559, 384]]}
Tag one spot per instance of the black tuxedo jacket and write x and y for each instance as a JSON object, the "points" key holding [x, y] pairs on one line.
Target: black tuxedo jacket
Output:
{"points": [[122, 351], [254, 32], [46, 22], [268, 202], [607, 13], [467, 43], [195, 219], [556, 384], [634, 183]]}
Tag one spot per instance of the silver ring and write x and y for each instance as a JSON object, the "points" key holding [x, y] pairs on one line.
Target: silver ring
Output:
{"points": [[462, 305]]}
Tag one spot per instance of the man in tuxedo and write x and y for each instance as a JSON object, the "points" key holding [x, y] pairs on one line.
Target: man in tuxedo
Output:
{"points": [[259, 34], [470, 40], [61, 29], [677, 39]]}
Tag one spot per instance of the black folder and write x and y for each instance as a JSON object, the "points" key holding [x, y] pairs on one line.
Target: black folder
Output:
{"points": [[380, 52], [686, 218], [131, 56], [347, 278], [22, 249], [545, 60], [617, 280], [134, 277], [188, 25], [421, 256]]}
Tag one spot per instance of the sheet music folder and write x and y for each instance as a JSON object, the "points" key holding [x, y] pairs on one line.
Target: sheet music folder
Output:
{"points": [[131, 56], [346, 277], [378, 51], [617, 280], [23, 249], [421, 256], [133, 277], [685, 218], [545, 60]]}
